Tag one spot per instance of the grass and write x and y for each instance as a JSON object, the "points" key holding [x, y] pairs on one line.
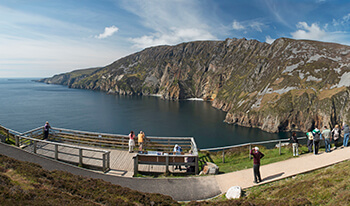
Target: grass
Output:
{"points": [[328, 186], [238, 158], [23, 183]]}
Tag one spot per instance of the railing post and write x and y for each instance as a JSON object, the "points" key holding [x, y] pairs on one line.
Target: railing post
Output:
{"points": [[80, 157], [108, 160], [136, 164], [223, 156], [8, 135], [196, 166], [280, 145], [35, 143], [104, 162], [167, 164], [17, 140], [250, 149], [56, 152]]}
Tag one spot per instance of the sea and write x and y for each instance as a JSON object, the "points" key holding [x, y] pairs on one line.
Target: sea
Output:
{"points": [[26, 104]]}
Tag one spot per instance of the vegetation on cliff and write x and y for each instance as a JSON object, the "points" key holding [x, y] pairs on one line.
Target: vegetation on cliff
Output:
{"points": [[287, 85]]}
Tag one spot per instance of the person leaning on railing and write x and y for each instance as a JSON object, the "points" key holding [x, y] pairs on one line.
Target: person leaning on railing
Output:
{"points": [[46, 130]]}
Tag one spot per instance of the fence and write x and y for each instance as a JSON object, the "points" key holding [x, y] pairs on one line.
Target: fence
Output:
{"points": [[7, 134], [250, 145], [114, 140], [31, 141], [82, 156]]}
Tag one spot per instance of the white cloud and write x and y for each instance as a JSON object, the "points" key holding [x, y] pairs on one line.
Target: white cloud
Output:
{"points": [[109, 31], [169, 22], [269, 40], [315, 32], [174, 36], [237, 26], [309, 32], [248, 25]]}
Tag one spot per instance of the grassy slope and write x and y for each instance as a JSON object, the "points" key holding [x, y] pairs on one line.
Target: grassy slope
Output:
{"points": [[328, 186], [23, 183]]}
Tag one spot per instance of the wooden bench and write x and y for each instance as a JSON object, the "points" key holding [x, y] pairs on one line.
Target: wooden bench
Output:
{"points": [[165, 160]]}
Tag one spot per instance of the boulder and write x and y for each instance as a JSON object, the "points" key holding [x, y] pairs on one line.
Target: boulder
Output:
{"points": [[234, 192], [210, 168]]}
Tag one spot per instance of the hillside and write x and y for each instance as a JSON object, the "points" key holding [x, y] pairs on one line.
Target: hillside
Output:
{"points": [[290, 84], [23, 183]]}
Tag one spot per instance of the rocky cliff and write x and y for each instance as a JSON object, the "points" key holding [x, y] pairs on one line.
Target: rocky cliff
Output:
{"points": [[287, 85]]}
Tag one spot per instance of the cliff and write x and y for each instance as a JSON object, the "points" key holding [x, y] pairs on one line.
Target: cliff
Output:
{"points": [[287, 85]]}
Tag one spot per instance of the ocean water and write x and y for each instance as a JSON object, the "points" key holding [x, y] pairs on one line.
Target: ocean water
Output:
{"points": [[25, 105]]}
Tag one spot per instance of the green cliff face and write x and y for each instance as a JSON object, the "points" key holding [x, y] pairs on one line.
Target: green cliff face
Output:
{"points": [[290, 84]]}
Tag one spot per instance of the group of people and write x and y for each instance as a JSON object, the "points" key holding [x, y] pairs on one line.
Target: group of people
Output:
{"points": [[141, 137], [315, 136]]}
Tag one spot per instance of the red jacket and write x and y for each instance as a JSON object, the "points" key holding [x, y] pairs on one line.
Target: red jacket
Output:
{"points": [[257, 155]]}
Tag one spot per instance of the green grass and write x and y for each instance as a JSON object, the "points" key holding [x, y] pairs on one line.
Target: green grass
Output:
{"points": [[238, 158], [328, 186]]}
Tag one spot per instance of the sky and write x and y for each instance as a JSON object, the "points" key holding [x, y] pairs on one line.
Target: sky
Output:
{"points": [[41, 38]]}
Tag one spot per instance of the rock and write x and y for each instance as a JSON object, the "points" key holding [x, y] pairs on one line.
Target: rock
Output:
{"points": [[234, 192], [210, 168], [282, 145]]}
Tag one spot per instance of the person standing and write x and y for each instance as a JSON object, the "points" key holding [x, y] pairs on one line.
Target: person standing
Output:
{"points": [[131, 141], [47, 128], [295, 143], [141, 139], [346, 131], [177, 151], [310, 140], [257, 155], [317, 137], [326, 134], [336, 135]]}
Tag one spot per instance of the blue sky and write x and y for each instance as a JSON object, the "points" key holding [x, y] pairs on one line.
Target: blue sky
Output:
{"points": [[40, 38]]}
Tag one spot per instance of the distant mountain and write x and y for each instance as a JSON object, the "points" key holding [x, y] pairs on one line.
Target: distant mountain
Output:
{"points": [[288, 85]]}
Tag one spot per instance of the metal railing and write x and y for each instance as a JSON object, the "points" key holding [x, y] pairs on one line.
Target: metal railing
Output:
{"points": [[7, 134], [250, 145], [65, 152]]}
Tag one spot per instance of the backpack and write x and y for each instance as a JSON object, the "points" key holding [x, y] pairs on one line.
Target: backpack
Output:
{"points": [[317, 136]]}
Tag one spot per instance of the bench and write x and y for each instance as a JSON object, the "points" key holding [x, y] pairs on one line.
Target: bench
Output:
{"points": [[165, 160]]}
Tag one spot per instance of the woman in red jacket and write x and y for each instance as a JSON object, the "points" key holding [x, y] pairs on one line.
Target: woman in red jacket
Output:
{"points": [[257, 155]]}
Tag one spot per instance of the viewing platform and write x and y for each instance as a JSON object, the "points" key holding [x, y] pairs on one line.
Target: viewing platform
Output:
{"points": [[109, 153]]}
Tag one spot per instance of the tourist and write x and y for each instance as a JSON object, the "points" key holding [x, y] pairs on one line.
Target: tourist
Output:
{"points": [[295, 144], [191, 158], [177, 150], [326, 134], [131, 141], [47, 128], [257, 155], [317, 137], [310, 140], [336, 135], [141, 139], [346, 131]]}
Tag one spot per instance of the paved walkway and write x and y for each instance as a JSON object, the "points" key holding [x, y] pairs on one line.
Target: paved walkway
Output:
{"points": [[280, 170], [195, 188]]}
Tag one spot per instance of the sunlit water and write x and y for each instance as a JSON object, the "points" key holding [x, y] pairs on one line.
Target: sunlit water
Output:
{"points": [[25, 105]]}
